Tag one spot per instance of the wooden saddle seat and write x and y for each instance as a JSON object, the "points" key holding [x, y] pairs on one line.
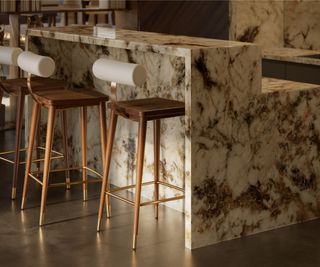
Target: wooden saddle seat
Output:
{"points": [[65, 98], [14, 86], [150, 108]]}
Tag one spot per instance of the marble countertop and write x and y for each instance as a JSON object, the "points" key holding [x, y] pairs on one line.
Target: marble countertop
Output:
{"points": [[291, 55], [135, 40], [270, 85]]}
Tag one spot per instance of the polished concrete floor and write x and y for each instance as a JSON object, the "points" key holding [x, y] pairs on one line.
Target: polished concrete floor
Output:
{"points": [[70, 239]]}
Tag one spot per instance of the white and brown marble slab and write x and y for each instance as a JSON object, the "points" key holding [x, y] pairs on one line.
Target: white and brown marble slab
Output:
{"points": [[247, 151]]}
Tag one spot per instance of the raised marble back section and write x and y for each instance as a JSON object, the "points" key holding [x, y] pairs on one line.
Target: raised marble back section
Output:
{"points": [[276, 23], [302, 24], [257, 21]]}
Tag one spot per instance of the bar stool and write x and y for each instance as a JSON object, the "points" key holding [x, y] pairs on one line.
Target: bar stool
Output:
{"points": [[18, 87], [141, 111], [53, 100]]}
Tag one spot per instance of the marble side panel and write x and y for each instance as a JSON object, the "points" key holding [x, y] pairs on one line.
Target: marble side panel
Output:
{"points": [[166, 78], [302, 24], [258, 21], [255, 156]]}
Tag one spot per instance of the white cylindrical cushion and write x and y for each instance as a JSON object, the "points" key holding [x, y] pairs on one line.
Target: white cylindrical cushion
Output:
{"points": [[119, 72], [37, 65], [9, 55]]}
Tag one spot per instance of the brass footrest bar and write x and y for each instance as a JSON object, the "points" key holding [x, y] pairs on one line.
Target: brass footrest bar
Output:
{"points": [[129, 187], [120, 198], [162, 200], [58, 170], [91, 181], [97, 180], [171, 186], [58, 155], [152, 202], [93, 171], [35, 178]]}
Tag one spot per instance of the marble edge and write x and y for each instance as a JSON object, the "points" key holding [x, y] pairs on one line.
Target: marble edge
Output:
{"points": [[272, 85], [291, 55]]}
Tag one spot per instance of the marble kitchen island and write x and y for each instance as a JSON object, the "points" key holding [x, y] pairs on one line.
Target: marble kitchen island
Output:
{"points": [[247, 151]]}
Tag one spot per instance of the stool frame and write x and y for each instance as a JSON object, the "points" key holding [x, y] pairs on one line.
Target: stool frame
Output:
{"points": [[21, 95], [105, 190], [49, 142]]}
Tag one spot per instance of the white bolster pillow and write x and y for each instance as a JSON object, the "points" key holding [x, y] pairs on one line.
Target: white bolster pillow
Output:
{"points": [[119, 72], [9, 55], [36, 65]]}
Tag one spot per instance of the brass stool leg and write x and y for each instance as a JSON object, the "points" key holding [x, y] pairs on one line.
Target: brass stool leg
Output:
{"points": [[84, 151], [156, 139], [20, 107], [33, 130], [47, 161], [140, 159], [103, 198], [65, 145], [103, 127]]}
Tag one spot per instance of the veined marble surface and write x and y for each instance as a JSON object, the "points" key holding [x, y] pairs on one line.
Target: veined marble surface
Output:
{"points": [[302, 24], [257, 21], [247, 150], [133, 40], [291, 55]]}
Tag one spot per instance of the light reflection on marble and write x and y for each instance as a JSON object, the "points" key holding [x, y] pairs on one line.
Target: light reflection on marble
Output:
{"points": [[247, 151], [258, 21], [302, 24]]}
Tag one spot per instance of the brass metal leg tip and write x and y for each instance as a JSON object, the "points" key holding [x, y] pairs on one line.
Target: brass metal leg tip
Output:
{"points": [[134, 243], [41, 221], [13, 193], [108, 214], [68, 183], [85, 195], [22, 204]]}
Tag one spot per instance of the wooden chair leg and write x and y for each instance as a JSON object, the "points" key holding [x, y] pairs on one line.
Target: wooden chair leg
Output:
{"points": [[156, 140], [19, 122], [38, 144], [64, 127], [103, 127], [140, 159], [103, 198], [33, 130], [47, 161], [84, 151]]}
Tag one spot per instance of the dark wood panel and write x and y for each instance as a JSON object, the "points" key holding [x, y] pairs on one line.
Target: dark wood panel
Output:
{"points": [[291, 71], [193, 18]]}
